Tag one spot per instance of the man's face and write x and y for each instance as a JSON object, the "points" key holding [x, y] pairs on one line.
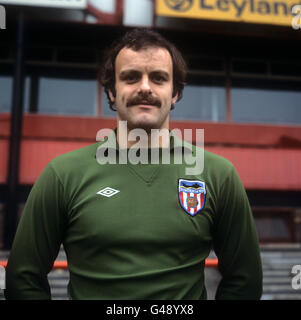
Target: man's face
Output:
{"points": [[144, 86]]}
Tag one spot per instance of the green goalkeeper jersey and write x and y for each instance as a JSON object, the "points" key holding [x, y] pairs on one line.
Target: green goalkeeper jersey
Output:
{"points": [[135, 231]]}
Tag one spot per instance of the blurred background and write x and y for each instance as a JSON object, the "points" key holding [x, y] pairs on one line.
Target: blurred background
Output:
{"points": [[243, 88]]}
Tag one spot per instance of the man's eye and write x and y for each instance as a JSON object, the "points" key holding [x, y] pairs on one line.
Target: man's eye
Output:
{"points": [[159, 79], [131, 78]]}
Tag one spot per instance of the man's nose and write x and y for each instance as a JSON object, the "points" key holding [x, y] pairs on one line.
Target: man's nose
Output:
{"points": [[145, 85]]}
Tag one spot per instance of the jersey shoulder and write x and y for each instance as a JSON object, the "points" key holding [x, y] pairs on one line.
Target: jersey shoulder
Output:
{"points": [[220, 165], [216, 161], [216, 168], [74, 160], [212, 161]]}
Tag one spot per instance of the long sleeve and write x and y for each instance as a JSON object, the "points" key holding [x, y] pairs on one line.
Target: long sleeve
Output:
{"points": [[37, 240], [236, 244]]}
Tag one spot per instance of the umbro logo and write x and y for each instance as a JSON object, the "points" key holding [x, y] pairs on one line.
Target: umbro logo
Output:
{"points": [[107, 192]]}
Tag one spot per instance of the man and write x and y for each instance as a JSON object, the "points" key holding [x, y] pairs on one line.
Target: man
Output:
{"points": [[137, 231]]}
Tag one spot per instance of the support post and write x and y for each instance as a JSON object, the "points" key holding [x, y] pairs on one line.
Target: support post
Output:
{"points": [[11, 209]]}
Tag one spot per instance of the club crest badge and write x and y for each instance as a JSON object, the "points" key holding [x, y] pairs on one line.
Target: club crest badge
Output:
{"points": [[192, 194]]}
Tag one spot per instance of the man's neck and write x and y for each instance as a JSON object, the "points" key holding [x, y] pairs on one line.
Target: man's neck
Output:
{"points": [[155, 138]]}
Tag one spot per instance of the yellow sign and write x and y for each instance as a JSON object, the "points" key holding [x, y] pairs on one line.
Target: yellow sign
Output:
{"points": [[277, 12]]}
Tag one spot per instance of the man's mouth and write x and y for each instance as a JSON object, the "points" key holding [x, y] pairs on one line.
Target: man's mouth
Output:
{"points": [[144, 103]]}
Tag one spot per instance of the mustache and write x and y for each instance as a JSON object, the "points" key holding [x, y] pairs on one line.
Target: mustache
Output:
{"points": [[149, 100]]}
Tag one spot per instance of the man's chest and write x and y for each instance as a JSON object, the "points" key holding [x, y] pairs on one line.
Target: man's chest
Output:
{"points": [[134, 207]]}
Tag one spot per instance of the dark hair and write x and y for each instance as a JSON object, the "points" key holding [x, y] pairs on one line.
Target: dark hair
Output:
{"points": [[139, 39]]}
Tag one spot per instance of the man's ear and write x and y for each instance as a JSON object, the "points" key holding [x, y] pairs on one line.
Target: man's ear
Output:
{"points": [[111, 95], [174, 99]]}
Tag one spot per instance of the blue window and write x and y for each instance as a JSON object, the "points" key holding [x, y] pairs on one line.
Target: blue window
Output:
{"points": [[67, 96], [271, 103], [6, 87], [201, 103]]}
